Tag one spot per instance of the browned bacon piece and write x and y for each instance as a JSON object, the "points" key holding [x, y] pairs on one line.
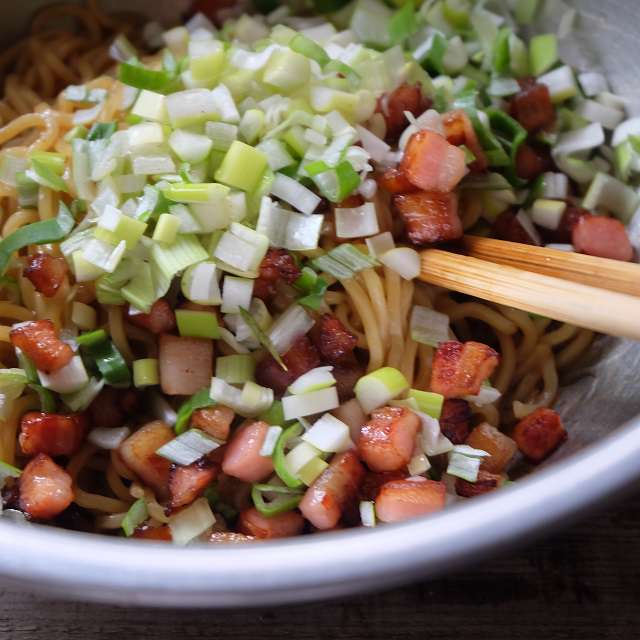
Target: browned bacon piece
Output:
{"points": [[157, 534], [51, 433], [404, 499], [485, 483], [161, 318], [539, 434], [300, 358], [508, 227], [216, 421], [532, 106], [333, 491], [392, 106], [138, 452], [46, 273], [531, 162], [395, 181], [429, 216], [347, 373], [187, 483], [40, 343], [602, 237], [455, 419], [242, 458], [278, 264], [570, 218], [332, 340], [501, 448], [45, 488], [253, 524], [459, 131], [373, 482], [460, 369], [388, 439]]}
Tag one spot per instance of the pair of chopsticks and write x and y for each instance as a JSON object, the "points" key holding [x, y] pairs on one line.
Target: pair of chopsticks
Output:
{"points": [[594, 293]]}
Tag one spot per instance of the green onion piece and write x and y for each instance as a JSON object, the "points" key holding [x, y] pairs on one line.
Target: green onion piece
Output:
{"points": [[50, 159], [511, 134], [456, 13], [274, 415], [307, 47], [188, 447], [306, 280], [261, 336], [335, 66], [46, 398], [403, 23], [279, 463], [136, 515], [37, 233], [335, 183], [140, 77], [198, 400], [432, 59], [525, 11], [197, 324], [102, 130], [286, 499], [78, 208], [47, 177], [145, 372], [28, 367], [235, 369], [501, 52], [92, 338], [428, 402], [315, 297], [543, 53], [27, 190], [110, 363]]}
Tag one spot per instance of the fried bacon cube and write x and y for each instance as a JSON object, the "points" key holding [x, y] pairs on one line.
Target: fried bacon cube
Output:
{"points": [[455, 419], [407, 97], [45, 488], [400, 500], [254, 525], [332, 340], [40, 343], [429, 216], [501, 448], [459, 131], [51, 433], [216, 421], [395, 181], [539, 434], [46, 273], [301, 357], [161, 318], [460, 369], [532, 106], [187, 483], [485, 483], [278, 264]]}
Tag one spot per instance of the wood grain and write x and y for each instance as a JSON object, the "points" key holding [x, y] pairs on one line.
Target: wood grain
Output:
{"points": [[583, 584], [623, 277], [604, 311]]}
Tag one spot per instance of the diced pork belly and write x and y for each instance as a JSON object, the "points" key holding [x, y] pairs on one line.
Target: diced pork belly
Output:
{"points": [[40, 342], [429, 216]]}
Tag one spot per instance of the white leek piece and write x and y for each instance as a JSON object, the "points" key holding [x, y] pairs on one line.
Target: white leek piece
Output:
{"points": [[379, 387], [329, 435], [357, 222], [428, 326], [68, 379], [308, 404], [318, 378], [402, 260]]}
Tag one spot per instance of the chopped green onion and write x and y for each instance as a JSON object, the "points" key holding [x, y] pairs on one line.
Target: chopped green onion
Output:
{"points": [[315, 296], [274, 414], [43, 174], [46, 398], [91, 339], [42, 232], [279, 456], [344, 262], [27, 190], [199, 400], [261, 336], [543, 53], [367, 510], [235, 369], [242, 167], [166, 229], [188, 447], [310, 403], [136, 515], [53, 161], [140, 77], [307, 47], [428, 402], [329, 434], [379, 387], [429, 326], [403, 23], [81, 399], [110, 363], [336, 183], [285, 499], [102, 130], [197, 324], [68, 379], [146, 372], [191, 522]]}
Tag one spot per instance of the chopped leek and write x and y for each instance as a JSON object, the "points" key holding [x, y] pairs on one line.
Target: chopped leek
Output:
{"points": [[282, 499], [136, 515], [261, 336], [188, 447], [235, 369], [146, 372], [42, 232], [279, 456], [379, 387], [197, 324]]}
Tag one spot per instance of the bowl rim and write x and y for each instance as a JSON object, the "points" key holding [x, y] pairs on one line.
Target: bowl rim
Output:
{"points": [[112, 570]]}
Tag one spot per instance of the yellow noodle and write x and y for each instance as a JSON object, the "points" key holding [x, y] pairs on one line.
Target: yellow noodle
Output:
{"points": [[375, 289], [118, 333], [96, 502], [575, 349], [116, 485], [14, 312], [394, 303], [19, 219], [79, 460], [528, 329]]}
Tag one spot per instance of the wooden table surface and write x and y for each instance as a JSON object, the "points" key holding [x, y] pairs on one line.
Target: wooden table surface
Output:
{"points": [[581, 584]]}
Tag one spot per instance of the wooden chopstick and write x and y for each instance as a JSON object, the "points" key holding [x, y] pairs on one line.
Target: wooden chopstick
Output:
{"points": [[623, 277], [601, 310]]}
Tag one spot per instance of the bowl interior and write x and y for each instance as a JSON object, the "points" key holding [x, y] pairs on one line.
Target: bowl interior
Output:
{"points": [[596, 400]]}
